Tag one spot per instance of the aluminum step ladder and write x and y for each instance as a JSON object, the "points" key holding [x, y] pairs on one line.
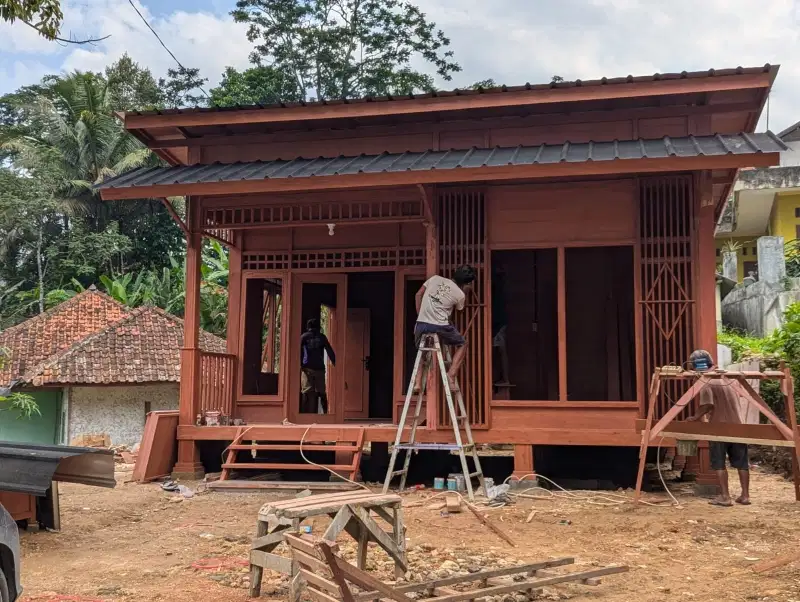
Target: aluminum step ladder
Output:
{"points": [[430, 347]]}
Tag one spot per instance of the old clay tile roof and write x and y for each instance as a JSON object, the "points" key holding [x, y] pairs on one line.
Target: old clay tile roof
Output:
{"points": [[132, 346]]}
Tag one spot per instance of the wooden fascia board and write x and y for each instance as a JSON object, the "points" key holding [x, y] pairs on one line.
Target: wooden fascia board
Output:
{"points": [[548, 119], [466, 175], [453, 103]]}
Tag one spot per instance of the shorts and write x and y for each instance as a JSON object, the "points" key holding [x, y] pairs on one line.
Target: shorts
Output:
{"points": [[312, 380], [736, 452], [448, 334]]}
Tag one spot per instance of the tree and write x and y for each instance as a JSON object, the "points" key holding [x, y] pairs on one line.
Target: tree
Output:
{"points": [[131, 87], [177, 88], [346, 48], [253, 86], [44, 16], [22, 403]]}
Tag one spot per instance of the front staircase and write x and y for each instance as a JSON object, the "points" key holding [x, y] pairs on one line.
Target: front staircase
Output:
{"points": [[347, 448]]}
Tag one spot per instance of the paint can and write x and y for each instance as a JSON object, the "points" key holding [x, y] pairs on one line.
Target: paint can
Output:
{"points": [[461, 483], [212, 417], [451, 484], [488, 482], [438, 483]]}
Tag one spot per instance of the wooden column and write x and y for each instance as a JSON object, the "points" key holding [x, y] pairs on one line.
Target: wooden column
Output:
{"points": [[235, 297], [431, 269], [523, 461], [189, 464], [706, 313]]}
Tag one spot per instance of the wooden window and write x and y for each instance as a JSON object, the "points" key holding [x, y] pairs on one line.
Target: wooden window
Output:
{"points": [[797, 211], [751, 269], [718, 253], [261, 358], [797, 232]]}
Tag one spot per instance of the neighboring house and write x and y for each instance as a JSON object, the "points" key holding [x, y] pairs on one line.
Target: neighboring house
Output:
{"points": [[95, 367], [765, 202]]}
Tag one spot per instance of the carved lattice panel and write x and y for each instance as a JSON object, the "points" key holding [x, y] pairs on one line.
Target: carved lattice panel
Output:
{"points": [[312, 213], [337, 259], [462, 240], [667, 303]]}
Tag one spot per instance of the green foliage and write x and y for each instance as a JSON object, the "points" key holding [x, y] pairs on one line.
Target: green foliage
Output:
{"points": [[346, 48], [256, 85], [43, 15], [177, 89], [792, 254], [23, 404]]}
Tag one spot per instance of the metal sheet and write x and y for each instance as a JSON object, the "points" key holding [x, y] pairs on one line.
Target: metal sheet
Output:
{"points": [[688, 146], [26, 468]]}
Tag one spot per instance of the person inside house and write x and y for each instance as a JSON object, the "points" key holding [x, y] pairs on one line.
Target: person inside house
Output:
{"points": [[314, 345], [435, 301], [718, 402]]}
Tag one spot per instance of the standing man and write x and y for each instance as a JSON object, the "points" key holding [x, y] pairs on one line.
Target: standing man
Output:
{"points": [[435, 302], [721, 404], [313, 347]]}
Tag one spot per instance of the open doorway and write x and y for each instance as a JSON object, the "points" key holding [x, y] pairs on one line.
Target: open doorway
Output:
{"points": [[601, 351], [318, 306], [369, 365], [525, 325], [261, 361]]}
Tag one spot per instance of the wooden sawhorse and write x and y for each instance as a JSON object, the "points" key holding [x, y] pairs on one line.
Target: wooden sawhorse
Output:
{"points": [[775, 433], [350, 511]]}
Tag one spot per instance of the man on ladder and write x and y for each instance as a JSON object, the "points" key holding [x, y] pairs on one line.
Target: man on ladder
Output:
{"points": [[435, 303]]}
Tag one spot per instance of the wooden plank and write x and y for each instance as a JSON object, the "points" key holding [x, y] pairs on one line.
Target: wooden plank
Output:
{"points": [[728, 438], [244, 485], [380, 536], [338, 523], [289, 447], [314, 579], [270, 539], [318, 595], [774, 563], [326, 548], [530, 584], [315, 499], [311, 562], [746, 391], [334, 505], [278, 466], [490, 524], [273, 562], [766, 432], [368, 582], [308, 544], [256, 571]]}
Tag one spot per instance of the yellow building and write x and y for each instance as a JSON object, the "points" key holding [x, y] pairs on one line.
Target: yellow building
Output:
{"points": [[764, 202]]}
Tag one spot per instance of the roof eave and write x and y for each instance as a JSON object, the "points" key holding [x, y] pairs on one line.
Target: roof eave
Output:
{"points": [[575, 93], [478, 174]]}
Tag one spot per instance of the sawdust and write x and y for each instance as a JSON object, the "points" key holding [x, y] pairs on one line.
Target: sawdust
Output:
{"points": [[133, 544]]}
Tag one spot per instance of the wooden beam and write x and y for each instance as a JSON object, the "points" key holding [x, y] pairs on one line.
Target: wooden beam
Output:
{"points": [[453, 103], [715, 431], [175, 217], [478, 174], [538, 119]]}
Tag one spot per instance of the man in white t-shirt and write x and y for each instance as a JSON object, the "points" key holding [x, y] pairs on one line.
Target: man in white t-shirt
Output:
{"points": [[435, 301]]}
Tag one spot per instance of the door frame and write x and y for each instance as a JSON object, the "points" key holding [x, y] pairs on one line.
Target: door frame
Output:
{"points": [[364, 412], [335, 380]]}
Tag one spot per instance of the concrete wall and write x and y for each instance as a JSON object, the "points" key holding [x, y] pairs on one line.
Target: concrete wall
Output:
{"points": [[758, 309], [782, 220], [117, 411], [747, 253]]}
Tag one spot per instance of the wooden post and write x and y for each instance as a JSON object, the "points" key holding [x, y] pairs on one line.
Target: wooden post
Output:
{"points": [[431, 269], [523, 461], [235, 296], [706, 312], [189, 465], [791, 419]]}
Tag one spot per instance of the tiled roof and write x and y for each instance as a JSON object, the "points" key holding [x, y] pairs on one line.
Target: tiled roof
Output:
{"points": [[39, 338], [605, 81], [473, 158], [123, 346]]}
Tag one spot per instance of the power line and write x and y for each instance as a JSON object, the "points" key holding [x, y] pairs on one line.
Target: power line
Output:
{"points": [[160, 41]]}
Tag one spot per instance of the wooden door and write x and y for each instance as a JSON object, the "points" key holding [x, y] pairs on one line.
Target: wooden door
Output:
{"points": [[337, 326], [356, 367]]}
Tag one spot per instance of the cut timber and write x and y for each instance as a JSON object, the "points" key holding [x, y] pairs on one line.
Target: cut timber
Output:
{"points": [[491, 525], [453, 503], [245, 485], [768, 565], [347, 441]]}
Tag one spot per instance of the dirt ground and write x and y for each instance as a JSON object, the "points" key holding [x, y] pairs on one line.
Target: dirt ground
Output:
{"points": [[137, 543]]}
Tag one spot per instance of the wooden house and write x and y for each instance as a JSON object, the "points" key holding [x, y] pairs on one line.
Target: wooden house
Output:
{"points": [[587, 207]]}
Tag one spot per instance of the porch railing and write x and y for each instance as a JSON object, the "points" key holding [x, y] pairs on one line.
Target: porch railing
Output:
{"points": [[217, 376]]}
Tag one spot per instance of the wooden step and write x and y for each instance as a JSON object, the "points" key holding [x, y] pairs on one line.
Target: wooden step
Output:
{"points": [[295, 446], [277, 466]]}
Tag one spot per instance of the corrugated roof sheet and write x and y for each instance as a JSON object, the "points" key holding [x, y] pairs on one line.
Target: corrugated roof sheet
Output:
{"points": [[690, 146], [605, 81]]}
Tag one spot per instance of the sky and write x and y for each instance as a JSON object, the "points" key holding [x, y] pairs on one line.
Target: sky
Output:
{"points": [[510, 41]]}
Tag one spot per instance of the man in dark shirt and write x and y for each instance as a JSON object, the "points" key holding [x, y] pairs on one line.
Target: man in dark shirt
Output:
{"points": [[313, 347]]}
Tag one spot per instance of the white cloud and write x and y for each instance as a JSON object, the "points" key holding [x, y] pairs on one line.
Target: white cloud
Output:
{"points": [[198, 39], [510, 41]]}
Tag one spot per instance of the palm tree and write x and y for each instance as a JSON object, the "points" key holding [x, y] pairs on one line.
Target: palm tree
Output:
{"points": [[76, 142]]}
